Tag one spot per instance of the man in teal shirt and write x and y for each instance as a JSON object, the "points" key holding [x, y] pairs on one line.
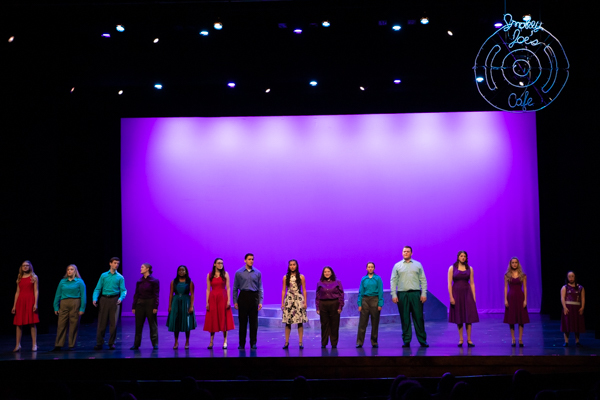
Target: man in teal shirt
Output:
{"points": [[409, 290], [109, 293], [370, 301]]}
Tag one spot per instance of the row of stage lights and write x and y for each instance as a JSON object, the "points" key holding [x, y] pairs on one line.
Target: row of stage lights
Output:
{"points": [[219, 25], [231, 85]]}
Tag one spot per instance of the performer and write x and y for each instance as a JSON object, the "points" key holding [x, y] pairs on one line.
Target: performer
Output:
{"points": [[515, 299], [329, 303], [370, 302], [461, 286], [145, 306], [294, 304], [109, 294], [408, 278], [572, 297], [247, 298], [182, 317], [69, 305], [25, 306], [218, 306]]}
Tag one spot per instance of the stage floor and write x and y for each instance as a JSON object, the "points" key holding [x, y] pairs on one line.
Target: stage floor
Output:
{"points": [[492, 353]]}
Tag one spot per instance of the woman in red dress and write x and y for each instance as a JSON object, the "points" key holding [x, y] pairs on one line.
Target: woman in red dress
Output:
{"points": [[25, 305], [218, 306]]}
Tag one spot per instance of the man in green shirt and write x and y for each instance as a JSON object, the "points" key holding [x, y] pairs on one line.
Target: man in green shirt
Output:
{"points": [[408, 286]]}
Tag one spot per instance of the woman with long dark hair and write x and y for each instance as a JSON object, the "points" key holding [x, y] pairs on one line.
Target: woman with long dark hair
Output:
{"points": [[515, 299], [572, 297], [181, 306], [25, 306], [329, 303], [218, 304], [293, 304], [461, 287]]}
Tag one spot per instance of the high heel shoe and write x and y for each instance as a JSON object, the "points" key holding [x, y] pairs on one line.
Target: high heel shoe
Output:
{"points": [[301, 346], [210, 346], [460, 344], [34, 347], [470, 344], [514, 344], [187, 346], [521, 344], [224, 346], [175, 346], [286, 346], [17, 349]]}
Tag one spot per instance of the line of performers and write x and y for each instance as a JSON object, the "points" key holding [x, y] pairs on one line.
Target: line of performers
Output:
{"points": [[408, 289]]}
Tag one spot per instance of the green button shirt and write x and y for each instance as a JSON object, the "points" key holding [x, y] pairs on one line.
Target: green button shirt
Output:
{"points": [[408, 275]]}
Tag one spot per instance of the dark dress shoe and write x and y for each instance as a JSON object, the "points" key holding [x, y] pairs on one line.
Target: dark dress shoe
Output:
{"points": [[134, 348], [375, 346], [155, 347], [323, 346], [405, 345], [424, 345], [359, 346], [98, 347], [253, 347], [334, 347]]}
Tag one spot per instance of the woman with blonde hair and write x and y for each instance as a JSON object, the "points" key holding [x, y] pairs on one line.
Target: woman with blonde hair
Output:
{"points": [[25, 306], [515, 299], [69, 305]]}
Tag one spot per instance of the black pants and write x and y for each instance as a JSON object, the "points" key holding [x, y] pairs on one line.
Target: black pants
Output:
{"points": [[109, 309], [143, 311], [330, 321], [369, 307], [248, 312]]}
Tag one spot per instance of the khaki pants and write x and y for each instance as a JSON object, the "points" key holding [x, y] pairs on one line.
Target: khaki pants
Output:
{"points": [[69, 311]]}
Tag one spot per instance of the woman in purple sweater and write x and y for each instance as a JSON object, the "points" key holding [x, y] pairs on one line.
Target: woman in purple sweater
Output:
{"points": [[329, 303]]}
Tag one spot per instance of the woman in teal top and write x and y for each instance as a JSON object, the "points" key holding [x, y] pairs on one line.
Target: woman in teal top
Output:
{"points": [[69, 305], [181, 306], [370, 302]]}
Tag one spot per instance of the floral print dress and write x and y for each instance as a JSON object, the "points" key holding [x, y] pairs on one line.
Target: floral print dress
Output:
{"points": [[293, 309]]}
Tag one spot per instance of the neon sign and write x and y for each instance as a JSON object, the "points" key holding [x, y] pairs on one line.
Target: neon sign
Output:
{"points": [[521, 67]]}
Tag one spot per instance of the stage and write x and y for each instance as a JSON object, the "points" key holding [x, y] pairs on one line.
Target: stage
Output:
{"points": [[543, 354]]}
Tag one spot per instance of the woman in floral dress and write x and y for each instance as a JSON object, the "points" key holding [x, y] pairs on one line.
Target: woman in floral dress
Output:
{"points": [[293, 304]]}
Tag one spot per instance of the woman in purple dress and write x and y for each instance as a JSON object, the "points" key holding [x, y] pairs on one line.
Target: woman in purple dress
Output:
{"points": [[572, 297], [329, 302], [515, 299], [461, 287]]}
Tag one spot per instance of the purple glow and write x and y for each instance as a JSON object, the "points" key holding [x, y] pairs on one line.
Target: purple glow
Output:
{"points": [[298, 31], [498, 25], [106, 34], [397, 81], [332, 190], [231, 84]]}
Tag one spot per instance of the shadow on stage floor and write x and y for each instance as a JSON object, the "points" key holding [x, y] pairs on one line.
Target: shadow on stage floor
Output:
{"points": [[492, 354]]}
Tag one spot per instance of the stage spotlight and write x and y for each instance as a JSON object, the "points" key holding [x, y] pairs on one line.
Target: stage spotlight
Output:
{"points": [[72, 89], [479, 79], [527, 17], [521, 83], [450, 33], [424, 20], [204, 33], [106, 35], [158, 86], [218, 25], [498, 25], [396, 27], [120, 92], [231, 84], [313, 83], [11, 39], [326, 24], [268, 91], [298, 31], [120, 28], [397, 81], [362, 88], [155, 40]]}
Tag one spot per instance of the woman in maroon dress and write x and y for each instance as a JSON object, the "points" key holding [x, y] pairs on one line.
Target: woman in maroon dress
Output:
{"points": [[461, 286], [218, 306], [25, 306], [515, 299], [572, 297]]}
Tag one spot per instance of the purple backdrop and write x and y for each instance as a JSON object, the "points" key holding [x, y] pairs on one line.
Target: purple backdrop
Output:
{"points": [[332, 190]]}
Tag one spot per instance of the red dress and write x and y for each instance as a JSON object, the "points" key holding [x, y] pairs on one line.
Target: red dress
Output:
{"points": [[218, 317], [24, 314]]}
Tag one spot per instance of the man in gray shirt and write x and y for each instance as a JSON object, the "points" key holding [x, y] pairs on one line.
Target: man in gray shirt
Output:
{"points": [[408, 286]]}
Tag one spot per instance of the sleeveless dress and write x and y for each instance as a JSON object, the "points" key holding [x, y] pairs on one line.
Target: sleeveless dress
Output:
{"points": [[293, 310], [179, 319], [515, 313], [218, 317], [24, 314], [464, 310], [572, 322]]}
